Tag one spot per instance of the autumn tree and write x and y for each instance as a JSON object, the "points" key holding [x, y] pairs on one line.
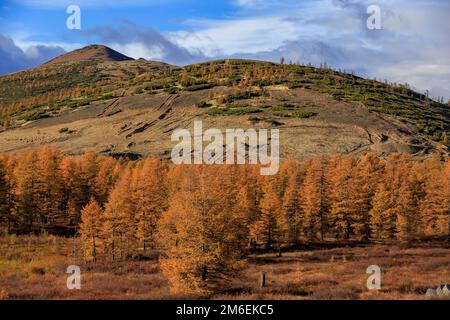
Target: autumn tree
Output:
{"points": [[106, 178], [84, 185], [119, 225], [344, 209], [26, 193], [292, 209], [4, 209], [316, 195], [150, 199], [435, 205], [390, 203], [49, 186], [271, 225], [408, 214], [90, 228], [202, 232], [365, 179]]}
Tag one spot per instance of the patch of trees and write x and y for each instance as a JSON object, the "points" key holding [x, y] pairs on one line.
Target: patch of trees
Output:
{"points": [[205, 219]]}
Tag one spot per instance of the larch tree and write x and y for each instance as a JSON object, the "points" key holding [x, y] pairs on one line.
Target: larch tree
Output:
{"points": [[408, 215], [388, 203], [249, 197], [150, 200], [366, 177], [435, 205], [68, 176], [382, 217], [293, 211], [90, 229], [49, 187], [84, 183], [4, 209], [345, 208], [316, 199], [119, 225], [201, 234], [106, 178], [26, 193], [271, 225]]}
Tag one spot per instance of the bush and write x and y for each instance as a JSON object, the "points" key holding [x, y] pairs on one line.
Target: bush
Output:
{"points": [[203, 105], [198, 87], [171, 90], [304, 114]]}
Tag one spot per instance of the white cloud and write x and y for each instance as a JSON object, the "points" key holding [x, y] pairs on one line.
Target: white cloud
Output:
{"points": [[13, 58], [246, 35]]}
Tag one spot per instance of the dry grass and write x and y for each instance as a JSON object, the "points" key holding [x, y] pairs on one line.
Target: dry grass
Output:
{"points": [[35, 268]]}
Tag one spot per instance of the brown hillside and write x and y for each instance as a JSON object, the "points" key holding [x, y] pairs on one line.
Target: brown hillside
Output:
{"points": [[124, 107]]}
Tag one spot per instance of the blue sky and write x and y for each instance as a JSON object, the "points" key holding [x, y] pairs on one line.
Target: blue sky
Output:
{"points": [[413, 45]]}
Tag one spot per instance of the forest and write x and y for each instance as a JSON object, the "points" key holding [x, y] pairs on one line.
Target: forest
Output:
{"points": [[203, 220]]}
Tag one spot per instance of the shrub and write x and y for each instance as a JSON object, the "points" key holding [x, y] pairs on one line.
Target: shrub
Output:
{"points": [[203, 105], [304, 114], [197, 87], [171, 90]]}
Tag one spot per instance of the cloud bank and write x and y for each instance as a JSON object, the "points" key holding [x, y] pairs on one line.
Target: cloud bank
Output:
{"points": [[13, 58]]}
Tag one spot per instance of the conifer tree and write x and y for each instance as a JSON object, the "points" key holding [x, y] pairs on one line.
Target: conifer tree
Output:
{"points": [[344, 211], [271, 225], [203, 247], [382, 222], [4, 209], [90, 228], [408, 215], [26, 193], [366, 177], [119, 225], [49, 186], [292, 206], [315, 192], [435, 205], [150, 200]]}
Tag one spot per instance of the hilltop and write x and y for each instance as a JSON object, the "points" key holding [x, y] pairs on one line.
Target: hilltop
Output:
{"points": [[98, 53], [98, 98]]}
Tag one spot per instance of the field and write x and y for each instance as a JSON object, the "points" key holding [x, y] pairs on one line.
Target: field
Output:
{"points": [[33, 267]]}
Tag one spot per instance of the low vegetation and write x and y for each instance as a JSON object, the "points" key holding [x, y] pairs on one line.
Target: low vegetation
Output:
{"points": [[34, 267]]}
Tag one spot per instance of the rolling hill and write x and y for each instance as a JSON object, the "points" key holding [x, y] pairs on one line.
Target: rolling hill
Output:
{"points": [[97, 98]]}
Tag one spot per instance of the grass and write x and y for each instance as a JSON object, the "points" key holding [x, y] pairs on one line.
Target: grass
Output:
{"points": [[33, 267], [233, 110]]}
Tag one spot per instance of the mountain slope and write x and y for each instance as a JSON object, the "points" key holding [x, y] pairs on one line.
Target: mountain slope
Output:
{"points": [[130, 107]]}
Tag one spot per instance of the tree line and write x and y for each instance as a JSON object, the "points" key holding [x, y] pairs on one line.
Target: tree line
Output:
{"points": [[204, 219]]}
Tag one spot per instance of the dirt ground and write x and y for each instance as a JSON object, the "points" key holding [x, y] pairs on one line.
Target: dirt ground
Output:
{"points": [[142, 125]]}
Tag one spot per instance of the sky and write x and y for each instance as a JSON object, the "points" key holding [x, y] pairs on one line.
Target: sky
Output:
{"points": [[412, 44]]}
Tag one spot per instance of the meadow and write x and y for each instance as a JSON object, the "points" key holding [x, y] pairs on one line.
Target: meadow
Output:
{"points": [[34, 267]]}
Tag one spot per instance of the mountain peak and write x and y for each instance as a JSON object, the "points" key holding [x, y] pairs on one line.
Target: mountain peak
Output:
{"points": [[93, 52]]}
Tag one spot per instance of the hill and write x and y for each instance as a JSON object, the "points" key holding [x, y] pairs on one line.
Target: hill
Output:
{"points": [[94, 52], [97, 98]]}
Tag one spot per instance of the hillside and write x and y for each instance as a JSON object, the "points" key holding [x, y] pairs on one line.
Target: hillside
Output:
{"points": [[98, 98]]}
